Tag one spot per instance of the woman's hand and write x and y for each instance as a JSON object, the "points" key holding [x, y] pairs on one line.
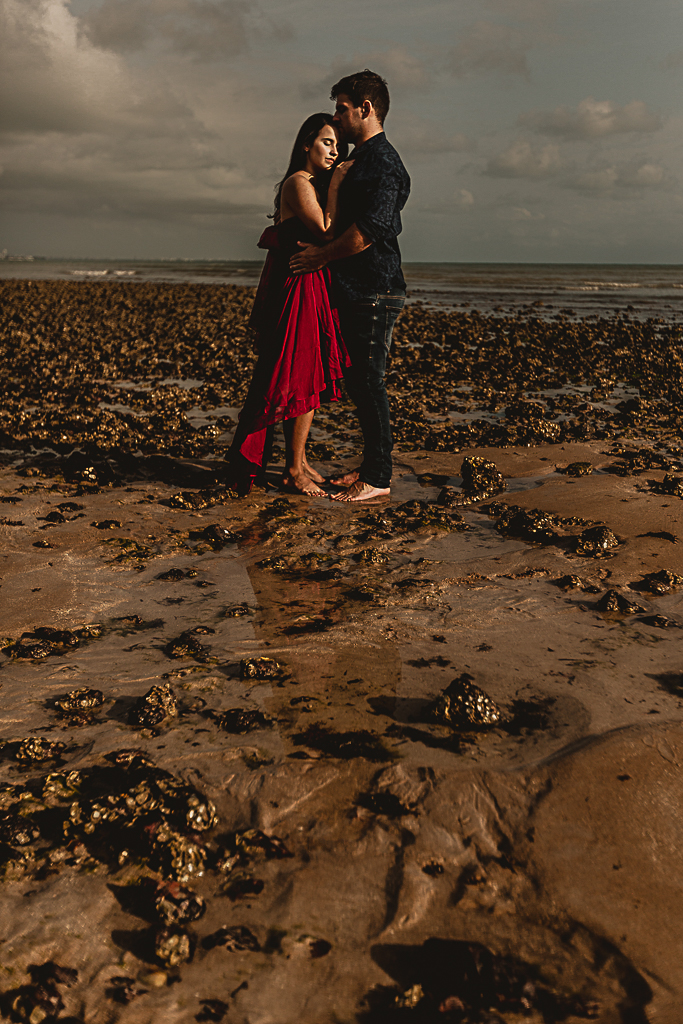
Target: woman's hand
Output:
{"points": [[340, 173]]}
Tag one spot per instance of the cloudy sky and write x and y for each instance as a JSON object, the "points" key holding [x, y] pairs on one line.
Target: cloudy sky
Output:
{"points": [[533, 130]]}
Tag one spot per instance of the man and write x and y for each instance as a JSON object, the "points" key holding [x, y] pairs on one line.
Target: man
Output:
{"points": [[366, 264]]}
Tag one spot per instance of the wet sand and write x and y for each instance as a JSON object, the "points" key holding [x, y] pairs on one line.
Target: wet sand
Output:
{"points": [[360, 847]]}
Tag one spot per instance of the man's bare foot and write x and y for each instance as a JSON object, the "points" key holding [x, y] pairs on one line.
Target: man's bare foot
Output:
{"points": [[313, 473], [360, 491], [301, 483], [346, 480]]}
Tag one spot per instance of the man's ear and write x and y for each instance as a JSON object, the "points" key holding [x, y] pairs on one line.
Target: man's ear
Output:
{"points": [[366, 108]]}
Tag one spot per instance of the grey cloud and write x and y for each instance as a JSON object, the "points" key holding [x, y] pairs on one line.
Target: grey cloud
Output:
{"points": [[673, 60], [424, 136], [488, 47], [592, 119], [633, 175], [404, 72], [521, 160], [202, 29]]}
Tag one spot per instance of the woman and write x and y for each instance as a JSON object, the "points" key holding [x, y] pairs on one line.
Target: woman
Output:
{"points": [[301, 355]]}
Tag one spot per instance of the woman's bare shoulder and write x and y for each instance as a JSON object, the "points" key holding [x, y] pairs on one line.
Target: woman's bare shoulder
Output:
{"points": [[299, 182]]}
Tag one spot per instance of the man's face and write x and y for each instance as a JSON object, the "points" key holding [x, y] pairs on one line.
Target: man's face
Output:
{"points": [[348, 118]]}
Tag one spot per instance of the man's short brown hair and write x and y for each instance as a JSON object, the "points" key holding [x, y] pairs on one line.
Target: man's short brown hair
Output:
{"points": [[364, 85]]}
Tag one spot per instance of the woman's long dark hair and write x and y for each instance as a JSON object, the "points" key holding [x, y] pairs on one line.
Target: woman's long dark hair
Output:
{"points": [[306, 136]]}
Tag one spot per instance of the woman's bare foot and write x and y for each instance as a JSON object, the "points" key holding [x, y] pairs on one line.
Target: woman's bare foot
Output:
{"points": [[346, 480], [301, 483], [313, 473], [360, 491]]}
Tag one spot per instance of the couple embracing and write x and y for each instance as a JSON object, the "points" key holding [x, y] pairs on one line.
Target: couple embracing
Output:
{"points": [[330, 292]]}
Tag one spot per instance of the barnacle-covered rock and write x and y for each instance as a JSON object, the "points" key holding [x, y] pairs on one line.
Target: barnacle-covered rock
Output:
{"points": [[613, 601], [157, 704], [595, 541], [235, 611], [463, 705], [243, 720], [176, 905], [573, 582], [235, 938], [191, 500], [187, 645], [578, 469], [530, 524], [661, 582], [30, 648], [80, 700], [260, 668], [172, 947], [17, 830], [215, 536], [671, 484], [36, 748]]}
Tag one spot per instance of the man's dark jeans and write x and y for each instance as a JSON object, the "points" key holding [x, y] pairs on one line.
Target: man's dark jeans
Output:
{"points": [[366, 328]]}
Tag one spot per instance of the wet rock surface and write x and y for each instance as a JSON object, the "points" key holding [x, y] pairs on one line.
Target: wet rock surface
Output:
{"points": [[275, 758]]}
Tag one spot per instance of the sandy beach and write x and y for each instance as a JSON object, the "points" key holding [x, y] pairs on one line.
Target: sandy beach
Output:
{"points": [[279, 759]]}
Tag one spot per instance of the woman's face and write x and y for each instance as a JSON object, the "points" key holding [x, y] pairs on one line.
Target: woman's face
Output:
{"points": [[323, 152]]}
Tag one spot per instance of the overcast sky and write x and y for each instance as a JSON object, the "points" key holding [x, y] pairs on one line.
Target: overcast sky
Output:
{"points": [[533, 130]]}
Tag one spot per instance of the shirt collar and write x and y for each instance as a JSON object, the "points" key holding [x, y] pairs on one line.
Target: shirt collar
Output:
{"points": [[368, 144]]}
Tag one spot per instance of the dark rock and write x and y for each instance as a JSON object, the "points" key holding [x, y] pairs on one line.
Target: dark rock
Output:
{"points": [[106, 524], [187, 646], [463, 705], [615, 602], [260, 668], [595, 541], [176, 905], [243, 720], [578, 469], [216, 536], [235, 939], [38, 749], [157, 704], [172, 947]]}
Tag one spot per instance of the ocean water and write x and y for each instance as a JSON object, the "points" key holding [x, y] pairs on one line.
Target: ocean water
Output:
{"points": [[544, 289]]}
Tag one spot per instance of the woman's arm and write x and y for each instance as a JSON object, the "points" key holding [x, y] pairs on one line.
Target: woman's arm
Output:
{"points": [[331, 207], [300, 199]]}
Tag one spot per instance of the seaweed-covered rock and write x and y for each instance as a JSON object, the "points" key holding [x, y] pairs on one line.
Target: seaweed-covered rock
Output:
{"points": [[463, 705], [578, 469]]}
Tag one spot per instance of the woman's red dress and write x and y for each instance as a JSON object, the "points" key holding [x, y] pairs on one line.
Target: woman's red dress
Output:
{"points": [[301, 354]]}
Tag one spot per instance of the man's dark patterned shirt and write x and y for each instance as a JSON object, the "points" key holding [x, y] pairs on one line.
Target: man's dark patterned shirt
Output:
{"points": [[372, 196]]}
